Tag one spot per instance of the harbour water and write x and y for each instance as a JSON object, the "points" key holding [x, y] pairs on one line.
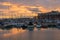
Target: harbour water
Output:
{"points": [[35, 34]]}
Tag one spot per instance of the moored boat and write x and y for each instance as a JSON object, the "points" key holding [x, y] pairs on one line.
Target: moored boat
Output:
{"points": [[30, 26], [38, 25]]}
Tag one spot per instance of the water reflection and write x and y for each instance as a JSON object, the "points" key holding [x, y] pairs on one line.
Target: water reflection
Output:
{"points": [[31, 34]]}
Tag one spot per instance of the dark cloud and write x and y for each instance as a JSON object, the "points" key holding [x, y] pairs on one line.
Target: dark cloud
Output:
{"points": [[34, 10], [4, 7], [2, 0]]}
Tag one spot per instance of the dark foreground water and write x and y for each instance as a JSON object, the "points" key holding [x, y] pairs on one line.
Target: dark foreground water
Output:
{"points": [[36, 34]]}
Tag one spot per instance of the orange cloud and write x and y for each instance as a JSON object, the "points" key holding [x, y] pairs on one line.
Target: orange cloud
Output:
{"points": [[42, 9], [6, 3], [58, 9], [17, 11]]}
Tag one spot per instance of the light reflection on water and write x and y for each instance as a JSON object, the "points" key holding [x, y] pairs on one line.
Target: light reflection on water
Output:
{"points": [[36, 34]]}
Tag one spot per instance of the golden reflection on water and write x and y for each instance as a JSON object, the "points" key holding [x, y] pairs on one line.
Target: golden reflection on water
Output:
{"points": [[35, 29], [43, 29], [20, 34], [14, 31]]}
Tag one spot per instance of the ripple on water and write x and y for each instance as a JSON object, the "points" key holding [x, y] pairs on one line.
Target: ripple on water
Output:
{"points": [[20, 34]]}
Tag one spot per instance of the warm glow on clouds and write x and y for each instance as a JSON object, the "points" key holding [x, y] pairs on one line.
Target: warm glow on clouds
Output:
{"points": [[18, 11], [6, 3], [43, 9], [58, 9]]}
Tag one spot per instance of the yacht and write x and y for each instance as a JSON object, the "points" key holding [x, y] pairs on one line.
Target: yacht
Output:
{"points": [[38, 25], [58, 26], [30, 26]]}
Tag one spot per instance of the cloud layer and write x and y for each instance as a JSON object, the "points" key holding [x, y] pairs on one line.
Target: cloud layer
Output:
{"points": [[26, 8]]}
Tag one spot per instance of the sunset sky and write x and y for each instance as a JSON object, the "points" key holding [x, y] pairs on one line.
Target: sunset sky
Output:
{"points": [[26, 8]]}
